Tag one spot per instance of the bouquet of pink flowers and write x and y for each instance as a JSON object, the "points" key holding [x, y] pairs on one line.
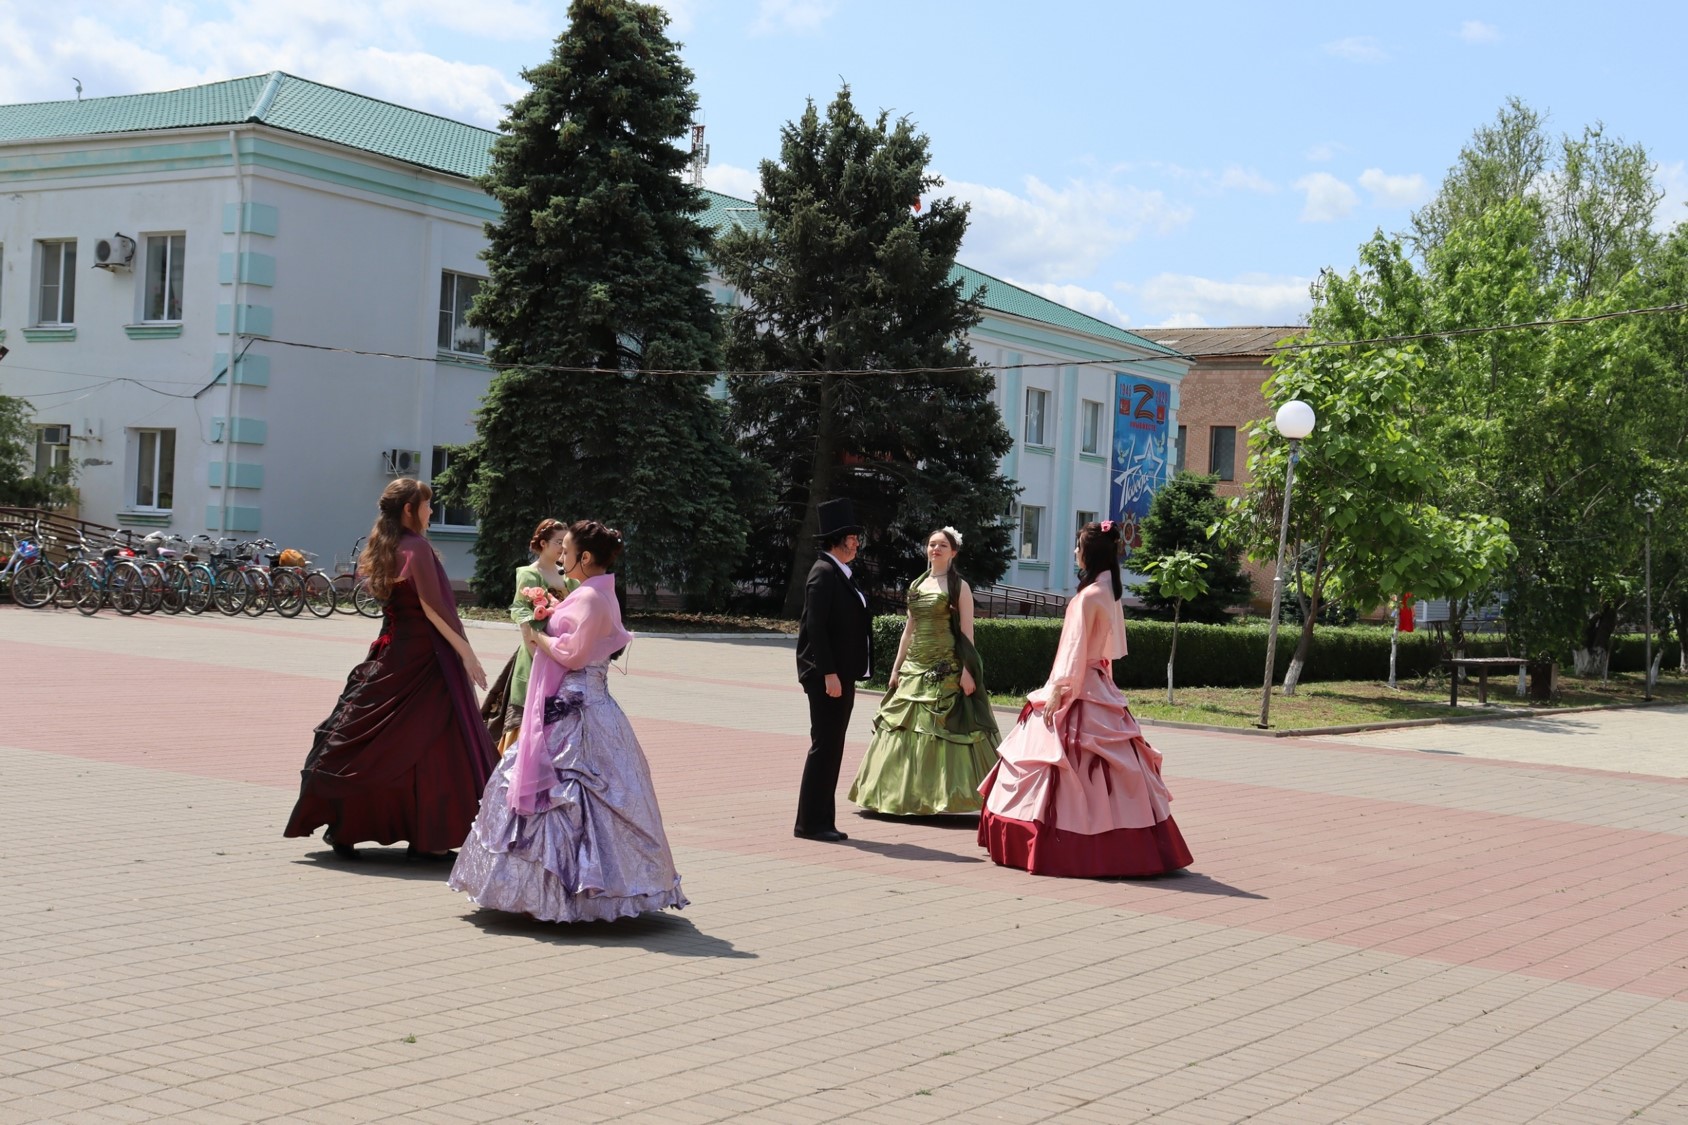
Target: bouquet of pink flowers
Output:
{"points": [[541, 600]]}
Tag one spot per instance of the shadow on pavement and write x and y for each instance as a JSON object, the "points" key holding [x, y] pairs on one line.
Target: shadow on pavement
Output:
{"points": [[952, 821], [909, 851], [1189, 882], [389, 863], [655, 933]]}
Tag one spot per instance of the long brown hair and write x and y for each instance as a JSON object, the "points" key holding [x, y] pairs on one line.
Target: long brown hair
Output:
{"points": [[953, 579], [1098, 553], [544, 531], [380, 558]]}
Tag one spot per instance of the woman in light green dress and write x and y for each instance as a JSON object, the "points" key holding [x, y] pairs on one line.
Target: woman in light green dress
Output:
{"points": [[503, 707], [934, 737]]}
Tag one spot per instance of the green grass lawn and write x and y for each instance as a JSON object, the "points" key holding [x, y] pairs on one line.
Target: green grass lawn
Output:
{"points": [[1365, 701]]}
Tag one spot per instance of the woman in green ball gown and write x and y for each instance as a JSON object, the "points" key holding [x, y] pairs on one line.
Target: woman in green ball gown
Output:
{"points": [[934, 737]]}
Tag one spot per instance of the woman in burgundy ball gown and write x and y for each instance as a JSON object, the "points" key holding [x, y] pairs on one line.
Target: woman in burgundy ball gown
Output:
{"points": [[404, 754]]}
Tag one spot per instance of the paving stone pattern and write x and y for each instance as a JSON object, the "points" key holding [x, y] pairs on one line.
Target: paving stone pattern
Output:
{"points": [[1482, 923]]}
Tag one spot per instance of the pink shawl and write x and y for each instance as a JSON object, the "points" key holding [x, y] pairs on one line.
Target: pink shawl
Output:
{"points": [[585, 629]]}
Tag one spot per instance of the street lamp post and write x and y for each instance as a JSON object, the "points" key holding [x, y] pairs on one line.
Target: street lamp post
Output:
{"points": [[1648, 502], [1294, 420]]}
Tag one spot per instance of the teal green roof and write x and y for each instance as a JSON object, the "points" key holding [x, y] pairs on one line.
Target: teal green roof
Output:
{"points": [[278, 100], [999, 295]]}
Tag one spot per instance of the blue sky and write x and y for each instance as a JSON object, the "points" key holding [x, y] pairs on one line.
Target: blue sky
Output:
{"points": [[1150, 164]]}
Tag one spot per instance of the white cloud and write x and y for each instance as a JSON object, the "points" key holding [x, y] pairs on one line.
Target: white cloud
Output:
{"points": [[1187, 301], [1077, 297], [1476, 31], [1324, 151], [1394, 191], [1047, 233], [791, 17], [1673, 208], [1237, 178], [1328, 198], [682, 16], [725, 178], [1356, 48], [365, 48]]}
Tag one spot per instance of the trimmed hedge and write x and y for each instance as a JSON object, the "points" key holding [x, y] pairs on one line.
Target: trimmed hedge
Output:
{"points": [[1017, 653]]}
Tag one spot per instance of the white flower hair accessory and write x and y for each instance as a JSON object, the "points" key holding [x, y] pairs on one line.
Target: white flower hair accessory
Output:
{"points": [[952, 533]]}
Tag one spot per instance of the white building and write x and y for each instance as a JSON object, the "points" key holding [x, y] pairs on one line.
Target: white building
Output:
{"points": [[144, 240]]}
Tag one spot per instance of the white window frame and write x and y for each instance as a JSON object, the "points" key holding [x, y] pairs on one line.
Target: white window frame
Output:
{"points": [[158, 467], [49, 249], [1031, 520], [1213, 433], [1090, 426], [50, 457], [454, 313], [438, 458], [1043, 418], [175, 246]]}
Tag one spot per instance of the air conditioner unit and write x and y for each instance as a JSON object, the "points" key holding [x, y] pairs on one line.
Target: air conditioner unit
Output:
{"points": [[114, 253], [55, 435], [402, 462]]}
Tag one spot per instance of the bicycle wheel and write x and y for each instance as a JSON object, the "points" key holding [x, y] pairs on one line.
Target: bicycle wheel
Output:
{"points": [[345, 587], [202, 584], [319, 594], [287, 592], [154, 585], [230, 592], [33, 584], [125, 587], [82, 588], [365, 600], [176, 583], [258, 589]]}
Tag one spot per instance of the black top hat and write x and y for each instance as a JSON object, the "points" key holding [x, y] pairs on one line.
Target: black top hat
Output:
{"points": [[838, 517]]}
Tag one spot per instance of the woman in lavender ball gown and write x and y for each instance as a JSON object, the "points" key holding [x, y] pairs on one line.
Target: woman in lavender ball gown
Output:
{"points": [[569, 829]]}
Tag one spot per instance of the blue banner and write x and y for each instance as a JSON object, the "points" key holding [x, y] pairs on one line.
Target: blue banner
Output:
{"points": [[1141, 462]]}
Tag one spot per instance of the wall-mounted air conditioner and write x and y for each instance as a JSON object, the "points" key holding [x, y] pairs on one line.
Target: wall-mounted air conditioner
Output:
{"points": [[55, 435], [114, 253], [402, 462]]}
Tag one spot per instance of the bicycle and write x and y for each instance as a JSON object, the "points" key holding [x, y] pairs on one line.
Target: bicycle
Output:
{"points": [[352, 589], [27, 575], [103, 576]]}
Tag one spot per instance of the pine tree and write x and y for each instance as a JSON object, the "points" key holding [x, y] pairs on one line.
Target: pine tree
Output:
{"points": [[1178, 521], [842, 273], [598, 262]]}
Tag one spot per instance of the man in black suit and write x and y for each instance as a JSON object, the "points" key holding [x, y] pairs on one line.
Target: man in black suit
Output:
{"points": [[834, 650]]}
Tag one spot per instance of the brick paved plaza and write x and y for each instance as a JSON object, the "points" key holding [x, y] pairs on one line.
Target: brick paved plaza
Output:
{"points": [[1478, 923]]}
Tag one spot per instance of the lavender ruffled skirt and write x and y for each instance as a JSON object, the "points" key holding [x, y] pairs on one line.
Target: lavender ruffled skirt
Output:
{"points": [[594, 850]]}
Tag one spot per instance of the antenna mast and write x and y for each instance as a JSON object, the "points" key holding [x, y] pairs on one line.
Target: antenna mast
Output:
{"points": [[700, 155]]}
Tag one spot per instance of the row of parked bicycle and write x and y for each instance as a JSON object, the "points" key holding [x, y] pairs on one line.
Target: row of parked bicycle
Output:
{"points": [[145, 574]]}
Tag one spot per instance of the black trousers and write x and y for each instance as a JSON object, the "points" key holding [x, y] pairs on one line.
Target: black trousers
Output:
{"points": [[829, 722]]}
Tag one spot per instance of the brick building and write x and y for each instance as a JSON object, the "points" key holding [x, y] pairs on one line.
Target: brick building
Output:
{"points": [[1220, 398]]}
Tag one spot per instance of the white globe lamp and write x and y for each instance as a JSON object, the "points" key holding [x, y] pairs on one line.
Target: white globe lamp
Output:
{"points": [[1295, 419]]}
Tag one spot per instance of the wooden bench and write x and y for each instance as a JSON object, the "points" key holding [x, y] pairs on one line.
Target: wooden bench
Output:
{"points": [[1482, 665]]}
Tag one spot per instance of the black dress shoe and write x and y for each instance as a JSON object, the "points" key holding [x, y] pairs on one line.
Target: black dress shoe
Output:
{"points": [[825, 835], [344, 851]]}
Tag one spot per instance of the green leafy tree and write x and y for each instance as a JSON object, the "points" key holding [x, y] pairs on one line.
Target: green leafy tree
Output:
{"points": [[597, 261], [1177, 578], [841, 273], [1185, 515], [1364, 487], [19, 486]]}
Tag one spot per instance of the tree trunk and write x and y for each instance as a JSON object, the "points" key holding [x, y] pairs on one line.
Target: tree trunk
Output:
{"points": [[1292, 676], [1394, 643], [1173, 654], [820, 486], [1595, 653]]}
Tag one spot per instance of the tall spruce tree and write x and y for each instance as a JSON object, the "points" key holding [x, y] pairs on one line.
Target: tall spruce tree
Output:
{"points": [[598, 261], [845, 272], [1179, 517]]}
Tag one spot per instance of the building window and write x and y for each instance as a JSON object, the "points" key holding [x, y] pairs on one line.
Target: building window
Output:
{"points": [[164, 277], [57, 299], [1036, 402], [1083, 518], [1182, 454], [448, 516], [155, 470], [1222, 452], [52, 449], [1031, 533], [457, 293], [1091, 427]]}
